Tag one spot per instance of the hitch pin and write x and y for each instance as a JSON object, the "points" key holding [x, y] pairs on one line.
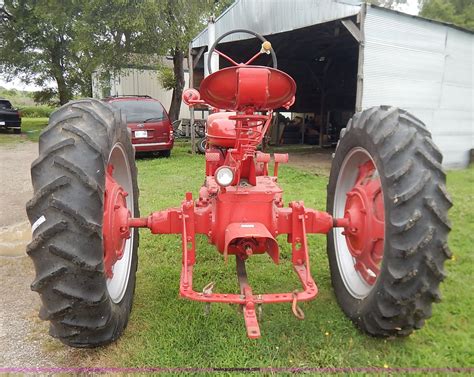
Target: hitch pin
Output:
{"points": [[297, 311], [206, 291]]}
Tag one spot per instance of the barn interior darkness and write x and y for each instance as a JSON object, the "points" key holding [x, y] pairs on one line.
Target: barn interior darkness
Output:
{"points": [[323, 61]]}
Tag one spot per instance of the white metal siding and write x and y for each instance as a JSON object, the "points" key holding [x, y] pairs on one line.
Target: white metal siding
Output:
{"points": [[275, 16], [427, 69]]}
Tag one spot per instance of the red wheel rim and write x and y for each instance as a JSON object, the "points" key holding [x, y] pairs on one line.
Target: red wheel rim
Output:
{"points": [[115, 228], [365, 234]]}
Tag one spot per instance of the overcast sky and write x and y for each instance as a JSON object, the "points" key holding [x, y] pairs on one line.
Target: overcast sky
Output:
{"points": [[411, 7]]}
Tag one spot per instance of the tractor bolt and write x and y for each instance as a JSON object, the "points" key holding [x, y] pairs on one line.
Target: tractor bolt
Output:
{"points": [[248, 250], [123, 229]]}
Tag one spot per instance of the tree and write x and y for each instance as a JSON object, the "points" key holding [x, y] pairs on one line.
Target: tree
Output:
{"points": [[181, 21], [37, 44], [64, 41], [458, 12]]}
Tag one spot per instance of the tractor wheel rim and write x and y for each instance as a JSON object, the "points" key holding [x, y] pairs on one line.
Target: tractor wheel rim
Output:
{"points": [[122, 177], [359, 248]]}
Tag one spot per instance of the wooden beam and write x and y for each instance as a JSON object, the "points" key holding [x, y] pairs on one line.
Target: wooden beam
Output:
{"points": [[360, 63], [353, 29], [191, 85], [198, 56]]}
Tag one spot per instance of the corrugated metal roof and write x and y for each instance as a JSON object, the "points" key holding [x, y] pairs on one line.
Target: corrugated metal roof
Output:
{"points": [[275, 16]]}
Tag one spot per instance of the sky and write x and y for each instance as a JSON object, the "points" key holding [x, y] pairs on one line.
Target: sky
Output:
{"points": [[411, 7]]}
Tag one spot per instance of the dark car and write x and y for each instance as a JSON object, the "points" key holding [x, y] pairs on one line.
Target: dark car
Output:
{"points": [[149, 122], [9, 117]]}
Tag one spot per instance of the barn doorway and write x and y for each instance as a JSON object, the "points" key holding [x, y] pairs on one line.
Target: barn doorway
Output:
{"points": [[323, 60]]}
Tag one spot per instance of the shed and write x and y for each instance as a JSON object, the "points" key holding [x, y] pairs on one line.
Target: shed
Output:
{"points": [[138, 79], [346, 56]]}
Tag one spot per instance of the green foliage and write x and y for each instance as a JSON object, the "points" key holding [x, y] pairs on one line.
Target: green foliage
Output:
{"points": [[36, 111], [391, 4], [458, 12], [166, 77], [38, 44], [17, 97], [48, 96], [65, 41]]}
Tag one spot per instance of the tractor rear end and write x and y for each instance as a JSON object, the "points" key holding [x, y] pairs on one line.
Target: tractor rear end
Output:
{"points": [[386, 223]]}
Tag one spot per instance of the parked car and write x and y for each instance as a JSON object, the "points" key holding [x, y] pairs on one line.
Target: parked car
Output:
{"points": [[148, 121], [10, 118]]}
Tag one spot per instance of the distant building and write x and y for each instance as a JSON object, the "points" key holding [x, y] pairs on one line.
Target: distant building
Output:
{"points": [[138, 80], [346, 56]]}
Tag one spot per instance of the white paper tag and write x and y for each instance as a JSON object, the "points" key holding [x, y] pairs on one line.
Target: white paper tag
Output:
{"points": [[247, 225], [37, 223]]}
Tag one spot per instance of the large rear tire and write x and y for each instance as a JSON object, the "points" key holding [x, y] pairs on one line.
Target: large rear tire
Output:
{"points": [[84, 306], [398, 297]]}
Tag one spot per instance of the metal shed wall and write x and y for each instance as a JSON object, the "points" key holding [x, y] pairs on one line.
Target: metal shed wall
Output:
{"points": [[427, 69], [141, 82], [275, 16]]}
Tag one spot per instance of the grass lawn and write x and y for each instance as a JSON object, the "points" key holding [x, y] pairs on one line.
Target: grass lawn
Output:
{"points": [[167, 331], [30, 130]]}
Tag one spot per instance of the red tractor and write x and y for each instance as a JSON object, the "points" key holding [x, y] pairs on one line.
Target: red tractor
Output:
{"points": [[386, 219]]}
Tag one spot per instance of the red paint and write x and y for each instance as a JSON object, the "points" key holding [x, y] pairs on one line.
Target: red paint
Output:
{"points": [[365, 229], [159, 131], [115, 228], [235, 88], [246, 217]]}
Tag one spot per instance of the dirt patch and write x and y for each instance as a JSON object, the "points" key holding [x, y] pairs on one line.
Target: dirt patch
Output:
{"points": [[315, 161], [15, 190], [24, 338]]}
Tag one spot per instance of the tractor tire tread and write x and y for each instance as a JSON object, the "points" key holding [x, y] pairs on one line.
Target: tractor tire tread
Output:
{"points": [[417, 224], [66, 248]]}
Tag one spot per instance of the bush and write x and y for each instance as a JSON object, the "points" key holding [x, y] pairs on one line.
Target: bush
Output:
{"points": [[36, 111]]}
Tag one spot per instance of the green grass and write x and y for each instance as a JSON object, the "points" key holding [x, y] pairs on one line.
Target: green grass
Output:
{"points": [[30, 130], [167, 331]]}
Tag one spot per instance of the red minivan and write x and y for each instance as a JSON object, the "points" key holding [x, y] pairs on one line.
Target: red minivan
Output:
{"points": [[149, 122]]}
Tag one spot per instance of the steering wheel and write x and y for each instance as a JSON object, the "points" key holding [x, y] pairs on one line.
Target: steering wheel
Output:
{"points": [[266, 49]]}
